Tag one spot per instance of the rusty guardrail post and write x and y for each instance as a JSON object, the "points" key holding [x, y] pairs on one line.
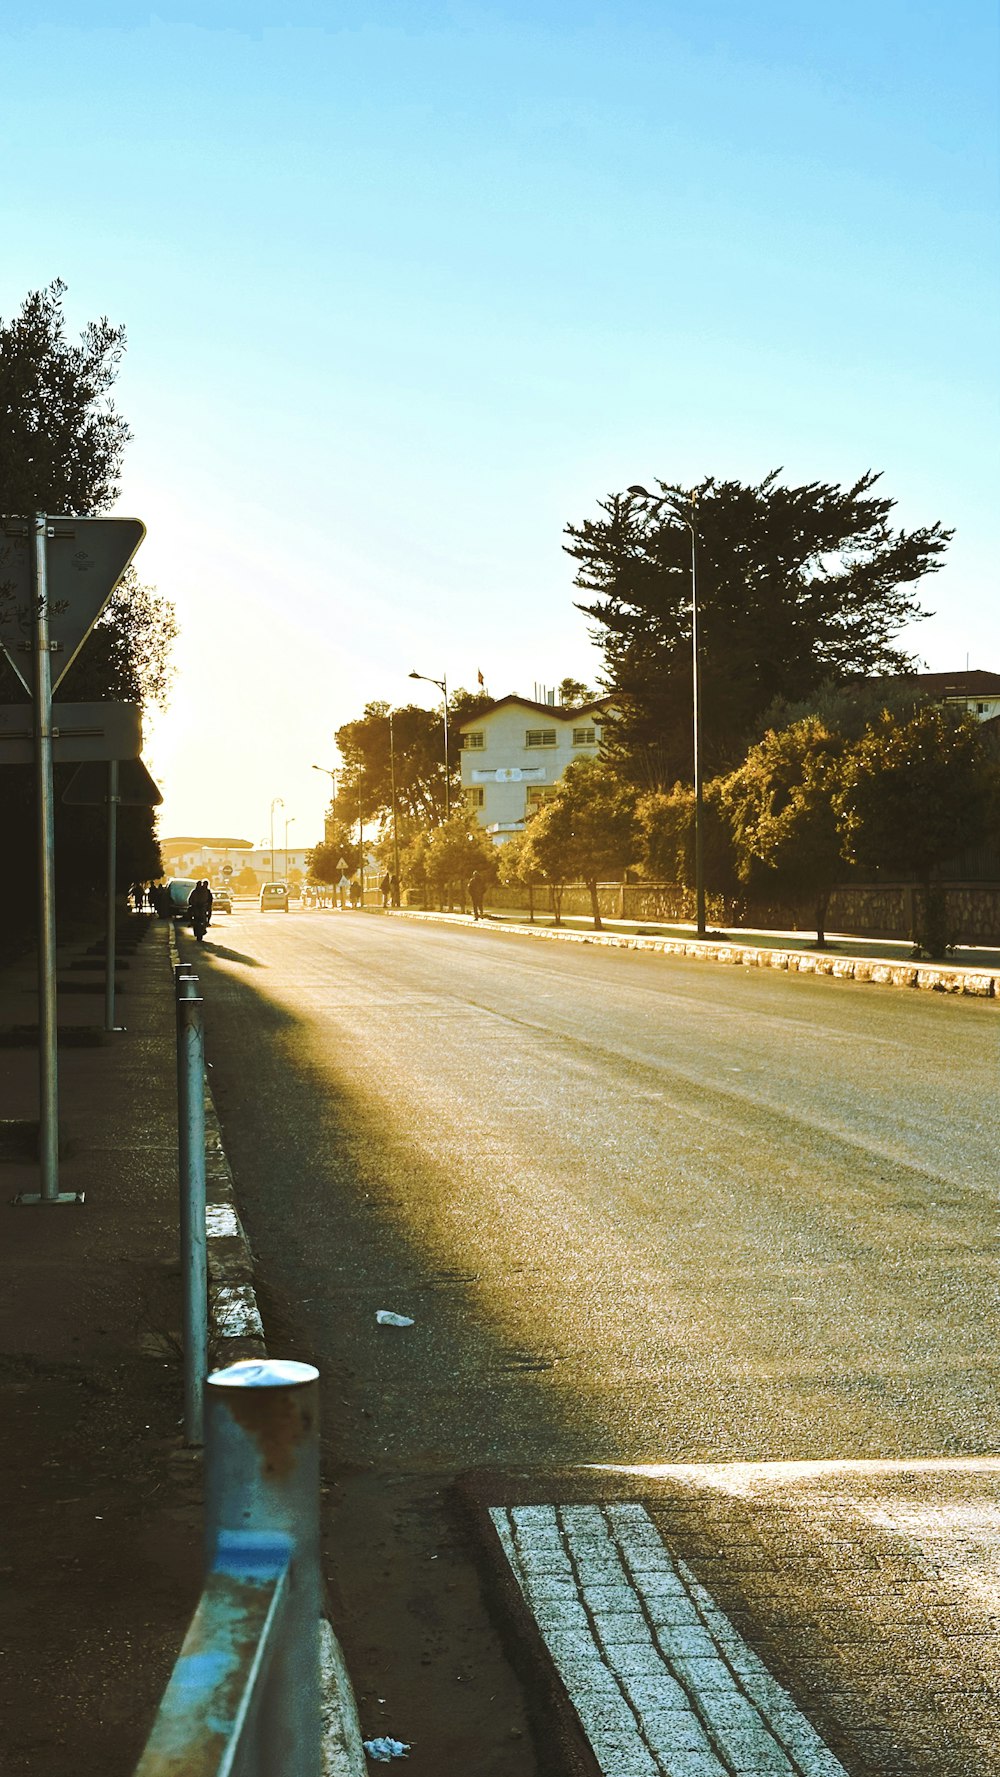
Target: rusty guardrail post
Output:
{"points": [[191, 1177], [262, 1483]]}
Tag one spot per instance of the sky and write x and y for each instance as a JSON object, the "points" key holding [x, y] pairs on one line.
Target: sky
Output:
{"points": [[409, 286]]}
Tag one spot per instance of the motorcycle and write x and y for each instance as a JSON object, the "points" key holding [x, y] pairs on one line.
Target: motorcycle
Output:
{"points": [[199, 922]]}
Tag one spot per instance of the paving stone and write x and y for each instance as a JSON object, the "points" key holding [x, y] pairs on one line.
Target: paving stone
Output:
{"points": [[704, 1675], [753, 1753], [652, 1694], [685, 1642], [621, 1754], [634, 1659], [619, 1597], [622, 1625]]}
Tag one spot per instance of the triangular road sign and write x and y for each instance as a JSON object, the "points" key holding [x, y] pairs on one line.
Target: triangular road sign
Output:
{"points": [[89, 786], [84, 560]]}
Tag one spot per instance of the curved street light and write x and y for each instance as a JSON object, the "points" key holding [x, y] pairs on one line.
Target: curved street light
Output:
{"points": [[676, 512], [442, 685], [289, 819]]}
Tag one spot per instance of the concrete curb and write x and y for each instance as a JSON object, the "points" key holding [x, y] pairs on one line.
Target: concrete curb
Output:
{"points": [[882, 971], [235, 1331]]}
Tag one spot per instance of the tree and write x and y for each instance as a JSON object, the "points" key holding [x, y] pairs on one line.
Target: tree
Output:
{"points": [[325, 860], [916, 793], [454, 850], [574, 691], [61, 448], [517, 867], [418, 748], [782, 803], [61, 440], [796, 585], [586, 830], [666, 819]]}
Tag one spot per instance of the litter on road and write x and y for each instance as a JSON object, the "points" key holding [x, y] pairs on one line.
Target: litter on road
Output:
{"points": [[386, 1318], [383, 1749]]}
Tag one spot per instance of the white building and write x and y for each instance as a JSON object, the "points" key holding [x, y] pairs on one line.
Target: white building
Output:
{"points": [[207, 857], [515, 751]]}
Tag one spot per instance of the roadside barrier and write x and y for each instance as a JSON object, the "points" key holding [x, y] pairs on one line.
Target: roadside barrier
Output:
{"points": [[191, 1173], [244, 1696]]}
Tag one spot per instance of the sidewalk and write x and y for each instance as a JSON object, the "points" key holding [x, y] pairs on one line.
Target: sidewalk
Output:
{"points": [[99, 1500], [973, 970]]}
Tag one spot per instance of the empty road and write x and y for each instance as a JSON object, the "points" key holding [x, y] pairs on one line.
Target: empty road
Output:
{"points": [[652, 1219]]}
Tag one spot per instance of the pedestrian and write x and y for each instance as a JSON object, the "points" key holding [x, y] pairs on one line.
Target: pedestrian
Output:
{"points": [[476, 887], [394, 889], [200, 900], [386, 886], [355, 892]]}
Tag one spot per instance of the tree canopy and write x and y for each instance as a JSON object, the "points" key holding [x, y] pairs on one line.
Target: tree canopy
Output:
{"points": [[587, 829], [61, 439], [796, 586], [61, 449], [782, 803], [418, 746]]}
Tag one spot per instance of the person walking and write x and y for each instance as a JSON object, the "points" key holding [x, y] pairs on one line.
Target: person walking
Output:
{"points": [[476, 887], [386, 886]]}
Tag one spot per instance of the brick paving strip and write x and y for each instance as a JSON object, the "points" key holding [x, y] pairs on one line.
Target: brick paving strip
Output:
{"points": [[662, 1683]]}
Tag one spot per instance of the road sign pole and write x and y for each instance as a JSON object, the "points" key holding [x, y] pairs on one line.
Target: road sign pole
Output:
{"points": [[48, 1080], [109, 938]]}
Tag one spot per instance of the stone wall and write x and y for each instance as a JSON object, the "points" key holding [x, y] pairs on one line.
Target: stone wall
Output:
{"points": [[871, 910]]}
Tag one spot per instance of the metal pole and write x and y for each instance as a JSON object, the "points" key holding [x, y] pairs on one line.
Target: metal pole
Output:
{"points": [[272, 841], [48, 1078], [447, 761], [191, 1170], [395, 810], [109, 936], [262, 1480], [699, 801]]}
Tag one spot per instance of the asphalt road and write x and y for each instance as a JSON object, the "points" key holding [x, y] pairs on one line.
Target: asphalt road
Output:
{"points": [[643, 1212]]}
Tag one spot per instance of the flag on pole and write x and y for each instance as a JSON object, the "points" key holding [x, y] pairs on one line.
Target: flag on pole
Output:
{"points": [[482, 681]]}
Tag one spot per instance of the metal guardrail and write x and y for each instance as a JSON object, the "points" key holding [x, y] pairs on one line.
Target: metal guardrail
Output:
{"points": [[191, 1174], [244, 1696]]}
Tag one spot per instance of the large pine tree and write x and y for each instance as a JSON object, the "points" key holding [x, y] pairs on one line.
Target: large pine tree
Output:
{"points": [[797, 586]]}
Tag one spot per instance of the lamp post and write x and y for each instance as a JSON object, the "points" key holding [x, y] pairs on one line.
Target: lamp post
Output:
{"points": [[288, 823], [442, 685], [677, 513], [332, 772], [395, 811], [276, 803]]}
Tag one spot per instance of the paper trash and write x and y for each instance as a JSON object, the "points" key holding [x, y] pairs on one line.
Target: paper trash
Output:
{"points": [[386, 1318]]}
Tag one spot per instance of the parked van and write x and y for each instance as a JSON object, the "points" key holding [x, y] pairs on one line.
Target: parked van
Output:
{"points": [[178, 890], [274, 897]]}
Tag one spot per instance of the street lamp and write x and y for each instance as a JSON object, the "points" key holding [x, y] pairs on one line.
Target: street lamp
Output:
{"points": [[442, 685], [332, 772], [288, 822], [395, 808], [277, 803], [677, 513]]}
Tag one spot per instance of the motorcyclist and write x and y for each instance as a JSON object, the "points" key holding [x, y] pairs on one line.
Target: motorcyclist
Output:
{"points": [[200, 908]]}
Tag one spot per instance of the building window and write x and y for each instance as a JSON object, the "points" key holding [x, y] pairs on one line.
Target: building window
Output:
{"points": [[540, 737], [472, 742], [475, 797], [535, 798], [584, 737]]}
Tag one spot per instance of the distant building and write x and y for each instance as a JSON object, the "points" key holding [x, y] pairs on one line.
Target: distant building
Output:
{"points": [[514, 753], [207, 857], [977, 692]]}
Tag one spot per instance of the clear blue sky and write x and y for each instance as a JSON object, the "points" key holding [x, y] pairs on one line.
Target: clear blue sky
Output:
{"points": [[409, 286]]}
